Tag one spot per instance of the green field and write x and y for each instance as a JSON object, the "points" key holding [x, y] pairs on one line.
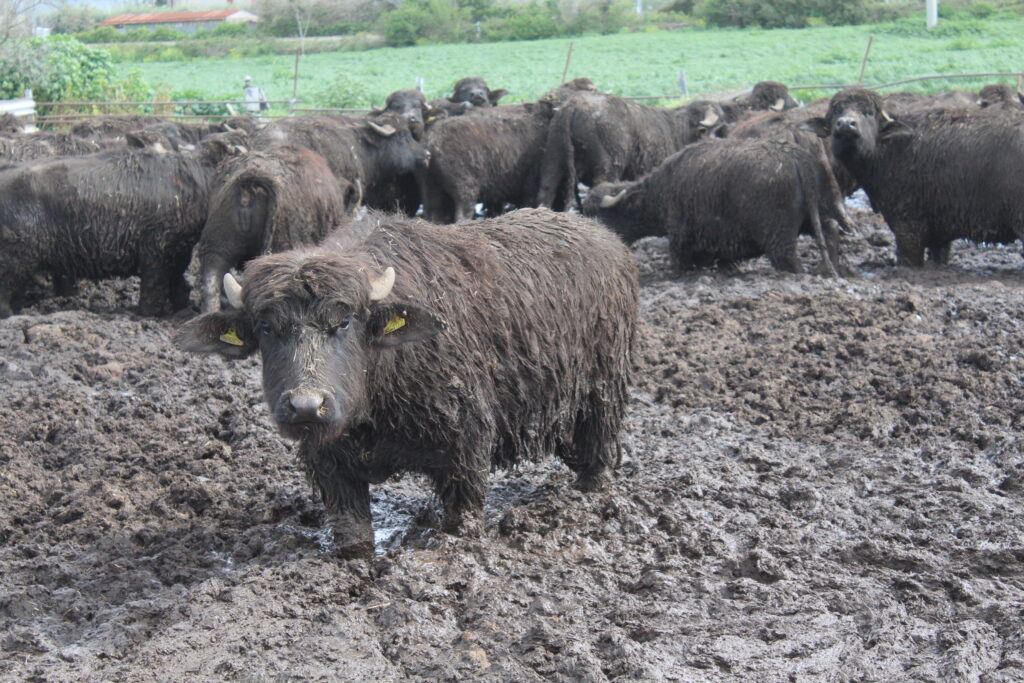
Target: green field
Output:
{"points": [[715, 61]]}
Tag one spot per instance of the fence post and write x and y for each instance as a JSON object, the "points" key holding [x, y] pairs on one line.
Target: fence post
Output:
{"points": [[683, 85], [420, 84]]}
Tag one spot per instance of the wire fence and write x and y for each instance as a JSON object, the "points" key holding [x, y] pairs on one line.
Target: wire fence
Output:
{"points": [[62, 113]]}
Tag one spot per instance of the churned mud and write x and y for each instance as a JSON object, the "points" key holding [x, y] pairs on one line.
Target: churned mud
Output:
{"points": [[824, 481]]}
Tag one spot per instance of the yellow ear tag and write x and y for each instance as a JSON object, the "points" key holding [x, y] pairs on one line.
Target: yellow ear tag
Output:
{"points": [[231, 337], [395, 323]]}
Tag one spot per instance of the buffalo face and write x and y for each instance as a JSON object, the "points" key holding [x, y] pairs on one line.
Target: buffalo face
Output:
{"points": [[318, 324]]}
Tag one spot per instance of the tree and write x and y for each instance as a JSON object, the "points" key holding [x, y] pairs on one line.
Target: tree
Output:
{"points": [[16, 19]]}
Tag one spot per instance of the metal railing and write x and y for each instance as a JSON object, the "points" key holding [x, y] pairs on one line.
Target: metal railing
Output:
{"points": [[282, 108]]}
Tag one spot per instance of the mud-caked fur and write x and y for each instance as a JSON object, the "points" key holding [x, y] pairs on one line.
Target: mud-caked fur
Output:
{"points": [[364, 160], [265, 202], [935, 175], [721, 201], [595, 138], [514, 343], [1000, 96], [116, 213]]}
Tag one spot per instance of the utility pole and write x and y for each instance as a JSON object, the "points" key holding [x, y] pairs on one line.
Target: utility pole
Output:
{"points": [[639, 7], [931, 13]]}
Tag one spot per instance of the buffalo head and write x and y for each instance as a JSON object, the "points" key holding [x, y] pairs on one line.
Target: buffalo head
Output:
{"points": [[319, 320]]}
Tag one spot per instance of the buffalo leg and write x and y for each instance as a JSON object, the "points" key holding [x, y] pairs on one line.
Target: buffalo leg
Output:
{"points": [[211, 276], [181, 291], [595, 448], [783, 258], [65, 284], [909, 245], [462, 496], [5, 302], [154, 288], [348, 503]]}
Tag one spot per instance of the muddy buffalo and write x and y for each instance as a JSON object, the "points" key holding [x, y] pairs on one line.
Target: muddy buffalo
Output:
{"points": [[491, 157], [1000, 96], [265, 202], [116, 213], [722, 201], [364, 154], [398, 345], [595, 138], [467, 94], [936, 175]]}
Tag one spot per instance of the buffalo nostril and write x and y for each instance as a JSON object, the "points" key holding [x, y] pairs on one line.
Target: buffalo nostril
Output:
{"points": [[307, 405]]}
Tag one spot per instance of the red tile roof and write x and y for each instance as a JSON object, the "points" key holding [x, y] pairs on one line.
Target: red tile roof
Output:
{"points": [[168, 17]]}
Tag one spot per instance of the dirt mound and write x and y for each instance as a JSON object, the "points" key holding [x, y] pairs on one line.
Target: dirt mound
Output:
{"points": [[824, 481]]}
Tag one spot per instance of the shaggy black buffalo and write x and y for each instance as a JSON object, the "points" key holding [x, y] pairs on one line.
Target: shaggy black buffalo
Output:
{"points": [[116, 213], [999, 96], [595, 138], [467, 93], [935, 175], [720, 201], [492, 157], [399, 345], [265, 202], [365, 154]]}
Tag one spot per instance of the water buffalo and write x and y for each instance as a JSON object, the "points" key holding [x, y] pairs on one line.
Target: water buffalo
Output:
{"points": [[264, 202], [492, 157], [720, 201], [467, 93], [595, 138], [766, 96], [116, 213], [365, 154], [999, 96], [399, 345], [935, 175]]}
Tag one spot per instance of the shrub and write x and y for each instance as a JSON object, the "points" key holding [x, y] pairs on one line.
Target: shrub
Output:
{"points": [[58, 67], [344, 93], [69, 19], [526, 23], [432, 21], [786, 13], [100, 34]]}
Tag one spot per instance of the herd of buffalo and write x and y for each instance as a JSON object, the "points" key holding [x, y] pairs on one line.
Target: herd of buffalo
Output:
{"points": [[449, 346]]}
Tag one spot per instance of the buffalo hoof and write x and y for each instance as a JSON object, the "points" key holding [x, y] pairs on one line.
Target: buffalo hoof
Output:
{"points": [[359, 550], [589, 482], [466, 525]]}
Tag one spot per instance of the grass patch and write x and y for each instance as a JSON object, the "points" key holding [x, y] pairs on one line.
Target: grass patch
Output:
{"points": [[716, 61]]}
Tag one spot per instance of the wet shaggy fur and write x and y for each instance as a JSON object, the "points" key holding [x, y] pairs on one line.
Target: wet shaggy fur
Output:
{"points": [[46, 145], [491, 157], [467, 94], [535, 317], [935, 176], [363, 161], [767, 96], [1000, 96], [265, 202], [723, 201], [595, 138], [117, 213]]}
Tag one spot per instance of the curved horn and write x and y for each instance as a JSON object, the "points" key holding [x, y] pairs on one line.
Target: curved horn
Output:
{"points": [[710, 117], [381, 286], [886, 117], [609, 201], [386, 130], [233, 290], [779, 104]]}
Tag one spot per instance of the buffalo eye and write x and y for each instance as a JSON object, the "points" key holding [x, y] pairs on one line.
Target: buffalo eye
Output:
{"points": [[264, 327], [341, 326]]}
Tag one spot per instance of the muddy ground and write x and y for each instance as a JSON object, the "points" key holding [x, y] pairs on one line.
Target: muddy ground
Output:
{"points": [[824, 481]]}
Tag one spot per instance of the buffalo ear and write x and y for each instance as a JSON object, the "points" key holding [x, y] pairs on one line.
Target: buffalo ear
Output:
{"points": [[495, 95], [392, 325], [893, 130], [818, 125], [226, 333]]}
